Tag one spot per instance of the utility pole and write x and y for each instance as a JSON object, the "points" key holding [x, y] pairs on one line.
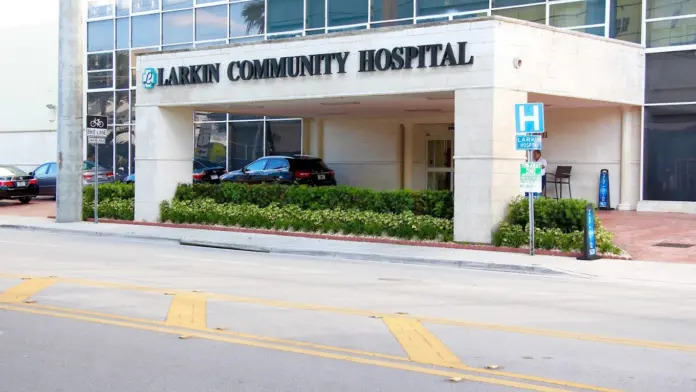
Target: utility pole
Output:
{"points": [[69, 179]]}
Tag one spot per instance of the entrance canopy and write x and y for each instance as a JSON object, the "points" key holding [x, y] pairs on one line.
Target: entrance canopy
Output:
{"points": [[470, 73]]}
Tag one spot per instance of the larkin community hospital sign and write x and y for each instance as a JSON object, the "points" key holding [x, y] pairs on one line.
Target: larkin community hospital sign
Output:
{"points": [[373, 60]]}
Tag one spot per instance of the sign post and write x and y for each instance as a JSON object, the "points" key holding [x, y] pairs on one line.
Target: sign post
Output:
{"points": [[604, 202], [96, 135], [589, 249], [529, 124]]}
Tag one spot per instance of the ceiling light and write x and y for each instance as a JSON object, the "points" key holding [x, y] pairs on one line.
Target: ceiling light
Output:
{"points": [[340, 103]]}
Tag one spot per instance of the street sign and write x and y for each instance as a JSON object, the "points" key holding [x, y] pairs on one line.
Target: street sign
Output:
{"points": [[96, 124], [528, 142], [96, 140], [97, 132], [530, 177], [529, 118]]}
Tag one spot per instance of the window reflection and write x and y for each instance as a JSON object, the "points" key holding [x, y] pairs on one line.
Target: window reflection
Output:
{"points": [[97, 80], [391, 9], [100, 61], [211, 142], [132, 106], [145, 30], [626, 20], [512, 3], [285, 15], [122, 69], [247, 18], [122, 31], [101, 104], [177, 27], [671, 33], [664, 9], [123, 7], [211, 23], [209, 117], [99, 8], [106, 152], [122, 107], [670, 77], [245, 143], [535, 14], [145, 5], [580, 13], [342, 12], [316, 13], [284, 137], [438, 7], [121, 142], [100, 36], [176, 4]]}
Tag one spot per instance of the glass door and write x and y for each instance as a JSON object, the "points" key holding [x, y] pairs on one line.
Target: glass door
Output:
{"points": [[440, 170]]}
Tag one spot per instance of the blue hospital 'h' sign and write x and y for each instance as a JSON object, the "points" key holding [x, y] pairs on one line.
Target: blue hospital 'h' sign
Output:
{"points": [[529, 117]]}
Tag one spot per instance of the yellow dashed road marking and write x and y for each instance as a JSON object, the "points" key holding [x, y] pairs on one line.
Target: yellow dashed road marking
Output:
{"points": [[26, 289], [188, 311], [420, 345]]}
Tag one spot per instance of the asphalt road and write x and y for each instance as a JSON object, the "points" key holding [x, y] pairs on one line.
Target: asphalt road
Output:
{"points": [[96, 314]]}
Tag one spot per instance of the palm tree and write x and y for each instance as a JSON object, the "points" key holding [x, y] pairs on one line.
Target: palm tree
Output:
{"points": [[254, 16]]}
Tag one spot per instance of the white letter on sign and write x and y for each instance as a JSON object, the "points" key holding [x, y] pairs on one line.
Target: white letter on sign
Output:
{"points": [[533, 118]]}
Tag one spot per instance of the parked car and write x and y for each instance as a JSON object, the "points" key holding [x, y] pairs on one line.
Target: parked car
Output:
{"points": [[203, 172], [17, 185], [46, 176], [296, 169]]}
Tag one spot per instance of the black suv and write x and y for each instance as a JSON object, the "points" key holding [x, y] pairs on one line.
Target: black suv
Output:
{"points": [[296, 169]]}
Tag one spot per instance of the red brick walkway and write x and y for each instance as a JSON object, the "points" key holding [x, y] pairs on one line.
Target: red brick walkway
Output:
{"points": [[37, 208], [639, 232]]}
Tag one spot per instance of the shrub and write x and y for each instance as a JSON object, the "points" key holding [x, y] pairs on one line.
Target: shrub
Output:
{"points": [[516, 236], [564, 214], [121, 209], [405, 225], [113, 191], [438, 204]]}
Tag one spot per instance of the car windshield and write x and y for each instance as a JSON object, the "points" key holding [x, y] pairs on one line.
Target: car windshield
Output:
{"points": [[89, 166], [309, 164], [11, 171], [203, 164]]}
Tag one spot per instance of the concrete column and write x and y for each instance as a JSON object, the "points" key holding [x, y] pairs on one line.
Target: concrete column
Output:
{"points": [[407, 173], [306, 136], [163, 159], [486, 164], [319, 124], [629, 190]]}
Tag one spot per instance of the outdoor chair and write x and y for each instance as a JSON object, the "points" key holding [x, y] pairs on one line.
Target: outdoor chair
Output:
{"points": [[560, 178]]}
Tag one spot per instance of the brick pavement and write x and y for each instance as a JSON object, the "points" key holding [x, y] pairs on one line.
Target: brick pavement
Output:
{"points": [[639, 232], [37, 208]]}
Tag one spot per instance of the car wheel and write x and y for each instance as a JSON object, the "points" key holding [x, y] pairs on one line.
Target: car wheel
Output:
{"points": [[25, 200]]}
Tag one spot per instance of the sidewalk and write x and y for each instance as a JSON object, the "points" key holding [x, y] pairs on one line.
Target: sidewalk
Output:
{"points": [[640, 272]]}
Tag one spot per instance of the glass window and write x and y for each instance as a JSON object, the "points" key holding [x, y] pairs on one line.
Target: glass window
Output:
{"points": [[246, 39], [122, 107], [145, 30], [123, 7], [284, 137], [285, 15], [106, 152], [210, 43], [668, 8], [122, 31], [626, 20], [245, 143], [211, 142], [41, 170], [670, 77], [512, 3], [598, 31], [392, 9], [100, 61], [176, 4], [670, 153], [209, 117], [237, 117], [670, 32], [209, 1], [258, 165], [99, 8], [100, 36], [211, 23], [440, 7], [132, 150], [122, 69], [97, 80], [121, 142], [132, 106], [145, 5], [581, 13], [342, 12], [101, 104], [535, 14], [405, 22], [247, 18], [177, 27], [469, 16], [277, 163], [52, 169], [316, 13]]}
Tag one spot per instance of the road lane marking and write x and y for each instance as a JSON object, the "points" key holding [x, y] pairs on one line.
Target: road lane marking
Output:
{"points": [[187, 310], [107, 316], [24, 290], [369, 313], [271, 346], [420, 345]]}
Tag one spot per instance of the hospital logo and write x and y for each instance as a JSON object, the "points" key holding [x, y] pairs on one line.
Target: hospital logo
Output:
{"points": [[149, 78]]}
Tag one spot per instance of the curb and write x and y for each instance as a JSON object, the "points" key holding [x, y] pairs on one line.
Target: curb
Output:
{"points": [[476, 265], [88, 233]]}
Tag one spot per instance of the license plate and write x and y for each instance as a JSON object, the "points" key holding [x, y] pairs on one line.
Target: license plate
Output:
{"points": [[21, 183], [214, 177], [321, 177]]}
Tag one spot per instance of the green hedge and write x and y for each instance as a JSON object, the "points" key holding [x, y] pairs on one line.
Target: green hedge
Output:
{"points": [[517, 236], [113, 191], [292, 217], [439, 204], [567, 215], [121, 209]]}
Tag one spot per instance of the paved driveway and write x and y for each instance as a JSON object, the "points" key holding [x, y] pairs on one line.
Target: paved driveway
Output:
{"points": [[38, 208]]}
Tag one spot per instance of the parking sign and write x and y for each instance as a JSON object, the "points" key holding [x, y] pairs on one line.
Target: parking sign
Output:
{"points": [[529, 118]]}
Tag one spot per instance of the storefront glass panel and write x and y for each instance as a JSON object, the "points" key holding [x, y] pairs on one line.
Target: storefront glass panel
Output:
{"points": [[106, 152], [245, 143], [284, 137], [211, 142], [670, 77], [670, 153]]}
